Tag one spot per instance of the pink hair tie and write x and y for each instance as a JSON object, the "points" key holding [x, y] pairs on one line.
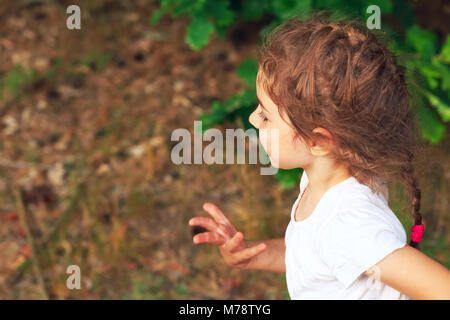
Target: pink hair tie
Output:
{"points": [[417, 233]]}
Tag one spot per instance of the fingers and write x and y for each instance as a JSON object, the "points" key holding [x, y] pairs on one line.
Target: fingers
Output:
{"points": [[209, 237], [197, 229], [219, 225], [231, 245], [216, 213], [204, 222], [211, 225], [250, 252]]}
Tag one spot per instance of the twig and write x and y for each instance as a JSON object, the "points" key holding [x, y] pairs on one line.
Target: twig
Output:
{"points": [[22, 216], [14, 164], [22, 164], [51, 235]]}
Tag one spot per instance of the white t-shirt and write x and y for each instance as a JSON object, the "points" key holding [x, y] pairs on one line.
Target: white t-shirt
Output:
{"points": [[350, 230]]}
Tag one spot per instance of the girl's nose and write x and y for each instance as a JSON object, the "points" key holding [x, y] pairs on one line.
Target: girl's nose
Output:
{"points": [[253, 119]]}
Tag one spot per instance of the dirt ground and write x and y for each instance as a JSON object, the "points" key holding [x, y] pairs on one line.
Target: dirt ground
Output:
{"points": [[86, 142]]}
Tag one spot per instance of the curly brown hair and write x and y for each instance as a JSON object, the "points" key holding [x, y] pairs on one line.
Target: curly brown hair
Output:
{"points": [[339, 76]]}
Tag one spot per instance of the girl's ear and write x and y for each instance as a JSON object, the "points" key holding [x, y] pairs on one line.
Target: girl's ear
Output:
{"points": [[323, 144]]}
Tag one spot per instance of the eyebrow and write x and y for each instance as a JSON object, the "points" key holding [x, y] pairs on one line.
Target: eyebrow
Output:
{"points": [[257, 98]]}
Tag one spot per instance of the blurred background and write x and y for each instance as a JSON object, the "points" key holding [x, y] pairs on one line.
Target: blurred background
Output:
{"points": [[85, 123]]}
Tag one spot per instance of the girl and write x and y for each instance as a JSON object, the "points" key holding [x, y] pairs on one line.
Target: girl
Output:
{"points": [[340, 104]]}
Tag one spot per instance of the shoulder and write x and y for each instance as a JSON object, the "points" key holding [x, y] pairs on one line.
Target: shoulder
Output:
{"points": [[356, 194], [360, 211], [357, 206], [355, 239], [362, 219]]}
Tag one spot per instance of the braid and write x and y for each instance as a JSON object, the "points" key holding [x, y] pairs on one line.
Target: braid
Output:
{"points": [[410, 178]]}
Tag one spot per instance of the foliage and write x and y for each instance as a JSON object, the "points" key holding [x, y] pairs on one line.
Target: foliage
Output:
{"points": [[430, 76], [13, 82], [16, 81], [145, 287]]}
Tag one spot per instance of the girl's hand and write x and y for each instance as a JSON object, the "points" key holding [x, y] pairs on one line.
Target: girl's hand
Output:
{"points": [[231, 243]]}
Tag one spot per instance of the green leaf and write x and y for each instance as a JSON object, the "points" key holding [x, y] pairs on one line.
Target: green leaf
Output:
{"points": [[198, 33], [232, 104], [288, 178], [216, 106], [404, 13], [50, 74], [57, 62], [445, 51], [210, 120], [385, 5], [444, 71], [220, 12], [221, 32], [432, 75], [267, 29], [285, 9], [341, 8], [423, 41], [186, 6], [442, 108], [440, 71], [247, 97], [254, 9], [244, 114], [432, 129], [102, 60], [157, 15], [247, 71], [15, 79]]}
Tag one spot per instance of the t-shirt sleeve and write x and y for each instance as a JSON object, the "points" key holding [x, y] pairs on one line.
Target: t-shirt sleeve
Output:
{"points": [[353, 241]]}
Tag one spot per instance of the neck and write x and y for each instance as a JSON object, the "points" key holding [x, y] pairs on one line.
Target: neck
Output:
{"points": [[322, 175]]}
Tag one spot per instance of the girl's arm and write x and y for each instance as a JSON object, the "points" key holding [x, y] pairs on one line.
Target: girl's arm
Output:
{"points": [[413, 273], [271, 259]]}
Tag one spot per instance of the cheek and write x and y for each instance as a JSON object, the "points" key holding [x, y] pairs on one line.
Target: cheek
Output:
{"points": [[270, 141], [279, 146], [286, 154]]}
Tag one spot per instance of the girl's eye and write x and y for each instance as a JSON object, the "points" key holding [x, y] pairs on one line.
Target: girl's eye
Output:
{"points": [[263, 117]]}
